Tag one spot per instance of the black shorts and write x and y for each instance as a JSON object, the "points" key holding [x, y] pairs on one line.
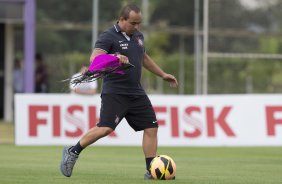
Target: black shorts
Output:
{"points": [[136, 109]]}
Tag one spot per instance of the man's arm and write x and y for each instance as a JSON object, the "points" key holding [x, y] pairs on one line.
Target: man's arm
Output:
{"points": [[150, 65], [96, 52]]}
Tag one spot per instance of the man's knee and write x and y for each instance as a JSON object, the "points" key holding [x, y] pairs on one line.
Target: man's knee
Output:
{"points": [[104, 131], [151, 131]]}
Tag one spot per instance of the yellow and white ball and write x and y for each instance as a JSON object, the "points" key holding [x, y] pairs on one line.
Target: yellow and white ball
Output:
{"points": [[163, 167]]}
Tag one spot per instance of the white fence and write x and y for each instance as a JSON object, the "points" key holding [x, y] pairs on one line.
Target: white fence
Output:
{"points": [[216, 120]]}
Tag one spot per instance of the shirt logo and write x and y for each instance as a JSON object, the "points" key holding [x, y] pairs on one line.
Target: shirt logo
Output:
{"points": [[140, 42], [123, 46]]}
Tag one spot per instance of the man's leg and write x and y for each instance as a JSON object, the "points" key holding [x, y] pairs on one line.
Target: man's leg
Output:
{"points": [[93, 135], [150, 144], [70, 154]]}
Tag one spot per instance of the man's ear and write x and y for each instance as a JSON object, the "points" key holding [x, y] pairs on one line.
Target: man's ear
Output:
{"points": [[122, 19]]}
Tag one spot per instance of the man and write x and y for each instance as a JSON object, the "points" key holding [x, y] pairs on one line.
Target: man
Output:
{"points": [[88, 88], [41, 75], [122, 95], [18, 77]]}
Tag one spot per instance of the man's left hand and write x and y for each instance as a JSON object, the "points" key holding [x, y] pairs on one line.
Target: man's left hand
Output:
{"points": [[171, 79]]}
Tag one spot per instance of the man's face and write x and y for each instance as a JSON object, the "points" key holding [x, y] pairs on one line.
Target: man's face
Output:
{"points": [[132, 24]]}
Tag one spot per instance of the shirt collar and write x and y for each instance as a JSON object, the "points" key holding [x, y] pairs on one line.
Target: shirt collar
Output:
{"points": [[117, 28]]}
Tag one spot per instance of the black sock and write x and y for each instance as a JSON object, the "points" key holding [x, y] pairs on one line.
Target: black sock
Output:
{"points": [[77, 149], [148, 162]]}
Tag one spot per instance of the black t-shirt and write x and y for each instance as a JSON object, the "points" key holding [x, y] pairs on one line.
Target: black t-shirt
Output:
{"points": [[113, 41]]}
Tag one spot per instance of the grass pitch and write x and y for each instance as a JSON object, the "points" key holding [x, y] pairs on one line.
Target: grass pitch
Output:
{"points": [[6, 133], [125, 165]]}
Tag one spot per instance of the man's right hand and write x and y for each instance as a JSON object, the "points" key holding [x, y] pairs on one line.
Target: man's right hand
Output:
{"points": [[123, 59]]}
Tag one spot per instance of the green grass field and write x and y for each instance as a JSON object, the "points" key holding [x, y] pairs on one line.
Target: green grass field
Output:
{"points": [[6, 133], [125, 165]]}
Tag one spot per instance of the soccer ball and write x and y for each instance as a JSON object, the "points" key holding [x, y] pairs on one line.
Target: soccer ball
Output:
{"points": [[163, 168]]}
